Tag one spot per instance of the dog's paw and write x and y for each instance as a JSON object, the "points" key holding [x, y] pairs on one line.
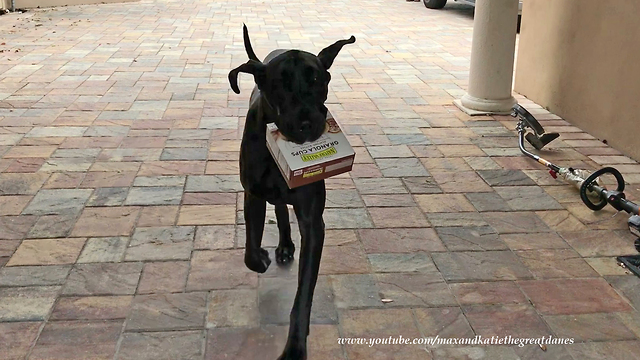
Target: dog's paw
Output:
{"points": [[294, 353], [284, 254], [258, 261]]}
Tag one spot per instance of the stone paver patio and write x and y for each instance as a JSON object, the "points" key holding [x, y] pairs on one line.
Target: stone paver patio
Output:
{"points": [[121, 227]]}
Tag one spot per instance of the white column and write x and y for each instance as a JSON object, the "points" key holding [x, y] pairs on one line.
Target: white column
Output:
{"points": [[492, 57]]}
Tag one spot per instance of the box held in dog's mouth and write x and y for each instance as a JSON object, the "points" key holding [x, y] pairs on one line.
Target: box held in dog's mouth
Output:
{"points": [[302, 164]]}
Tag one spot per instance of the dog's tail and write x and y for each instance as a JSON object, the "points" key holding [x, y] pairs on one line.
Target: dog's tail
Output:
{"points": [[247, 44]]}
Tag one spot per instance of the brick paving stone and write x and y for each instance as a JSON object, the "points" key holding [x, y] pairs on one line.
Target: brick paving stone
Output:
{"points": [[164, 276], [481, 163], [345, 259], [604, 219], [220, 269], [488, 293], [34, 275], [7, 247], [101, 222], [111, 196], [379, 186], [22, 184], [233, 308], [401, 263], [154, 196], [47, 252], [602, 350], [158, 216], [27, 303], [109, 249], [443, 322], [168, 312], [557, 263], [408, 139], [606, 266], [13, 205], [214, 237], [392, 200], [573, 296], [380, 323], [355, 291], [415, 289], [589, 327], [206, 215], [443, 203], [505, 177], [530, 241], [480, 266], [626, 285], [58, 201], [78, 340], [92, 308], [561, 220], [400, 240], [487, 202], [401, 167], [515, 222], [386, 217], [103, 279], [443, 165], [421, 185], [391, 151], [161, 243], [527, 198], [52, 226], [184, 154], [343, 198], [160, 181], [460, 182], [186, 345], [107, 179], [16, 339], [630, 320], [517, 320], [590, 243], [213, 183], [256, 343], [346, 219], [496, 352], [456, 219], [470, 238]]}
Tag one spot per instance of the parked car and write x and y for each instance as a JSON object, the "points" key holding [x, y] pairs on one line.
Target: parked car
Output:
{"points": [[439, 4]]}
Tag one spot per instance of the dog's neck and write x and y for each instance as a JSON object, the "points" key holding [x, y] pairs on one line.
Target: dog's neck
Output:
{"points": [[268, 111]]}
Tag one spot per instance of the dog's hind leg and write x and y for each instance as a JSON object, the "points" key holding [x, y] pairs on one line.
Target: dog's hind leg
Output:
{"points": [[312, 232], [255, 257], [285, 249]]}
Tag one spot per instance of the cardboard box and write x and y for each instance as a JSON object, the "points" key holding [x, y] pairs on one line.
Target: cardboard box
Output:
{"points": [[303, 164]]}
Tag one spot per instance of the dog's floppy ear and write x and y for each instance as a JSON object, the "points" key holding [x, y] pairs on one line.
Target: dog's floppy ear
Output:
{"points": [[253, 67], [328, 54]]}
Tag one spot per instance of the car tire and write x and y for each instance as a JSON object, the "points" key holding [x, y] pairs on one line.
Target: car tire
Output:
{"points": [[434, 4]]}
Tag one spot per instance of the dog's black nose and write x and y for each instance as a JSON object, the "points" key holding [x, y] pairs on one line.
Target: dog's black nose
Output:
{"points": [[305, 126]]}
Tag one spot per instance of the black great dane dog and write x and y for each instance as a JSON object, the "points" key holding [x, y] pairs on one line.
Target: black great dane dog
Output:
{"points": [[291, 88]]}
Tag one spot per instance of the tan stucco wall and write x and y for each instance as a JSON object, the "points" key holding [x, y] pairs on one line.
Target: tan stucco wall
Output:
{"points": [[581, 59], [21, 4]]}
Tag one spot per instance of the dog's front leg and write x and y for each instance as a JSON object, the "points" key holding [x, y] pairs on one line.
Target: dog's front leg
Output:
{"points": [[312, 231], [255, 257]]}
